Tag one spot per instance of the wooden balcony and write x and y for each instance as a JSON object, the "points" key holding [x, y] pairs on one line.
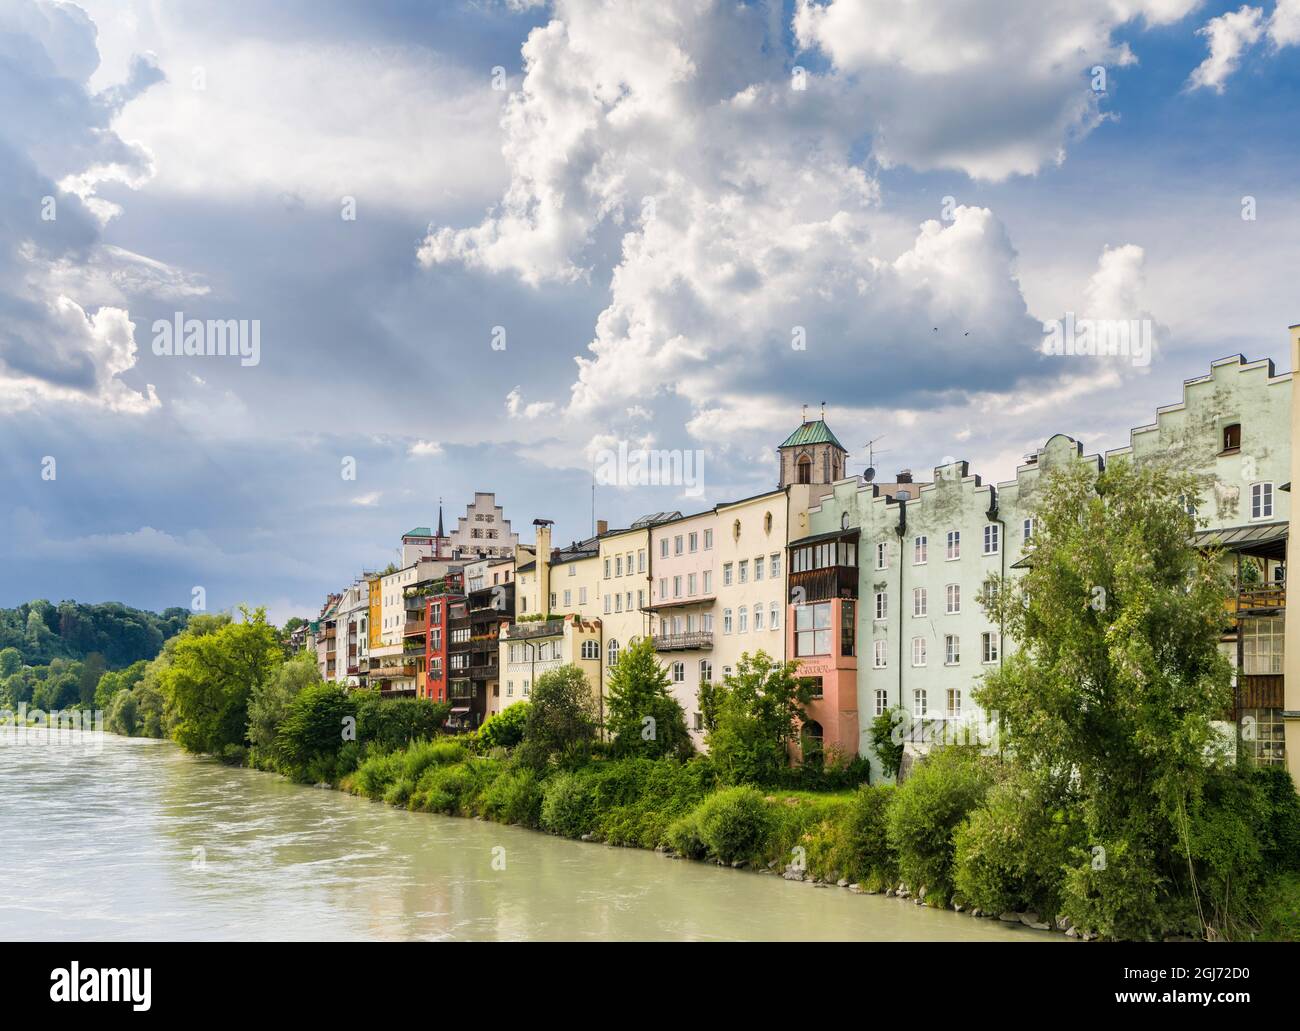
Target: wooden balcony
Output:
{"points": [[699, 639], [824, 584], [1261, 599]]}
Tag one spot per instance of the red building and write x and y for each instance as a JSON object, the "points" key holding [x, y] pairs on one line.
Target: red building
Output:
{"points": [[440, 618]]}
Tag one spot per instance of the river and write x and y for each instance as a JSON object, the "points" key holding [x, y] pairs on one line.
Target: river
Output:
{"points": [[131, 839]]}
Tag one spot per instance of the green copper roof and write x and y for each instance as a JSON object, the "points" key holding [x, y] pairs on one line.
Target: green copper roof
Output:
{"points": [[813, 433], [419, 531]]}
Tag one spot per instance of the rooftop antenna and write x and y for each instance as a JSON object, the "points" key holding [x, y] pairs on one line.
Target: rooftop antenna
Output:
{"points": [[872, 451]]}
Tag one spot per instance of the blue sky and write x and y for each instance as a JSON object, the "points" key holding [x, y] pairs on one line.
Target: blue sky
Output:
{"points": [[945, 181]]}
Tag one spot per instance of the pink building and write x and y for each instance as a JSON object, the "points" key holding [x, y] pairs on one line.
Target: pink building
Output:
{"points": [[821, 634]]}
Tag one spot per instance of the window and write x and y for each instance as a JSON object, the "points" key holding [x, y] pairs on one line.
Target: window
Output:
{"points": [[880, 656], [706, 671], [677, 544], [758, 568], [1261, 500], [918, 651], [812, 629], [774, 565], [742, 620], [663, 548], [510, 688], [706, 622], [1029, 528], [882, 606], [920, 550], [608, 605], [640, 561], [573, 570], [758, 616], [954, 702], [953, 599], [693, 542], [847, 627], [773, 617], [882, 703], [613, 652], [1232, 437], [691, 584], [568, 599], [699, 721], [525, 688], [882, 556], [708, 581], [804, 470], [606, 569], [663, 588], [844, 520], [708, 540], [618, 603], [954, 545], [990, 647], [618, 565], [679, 672], [582, 596], [992, 540], [726, 621], [726, 574], [590, 650], [677, 586], [1262, 650], [918, 702], [951, 649], [920, 602], [744, 570]]}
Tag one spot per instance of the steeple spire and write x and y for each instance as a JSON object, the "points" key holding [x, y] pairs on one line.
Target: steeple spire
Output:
{"points": [[440, 533]]}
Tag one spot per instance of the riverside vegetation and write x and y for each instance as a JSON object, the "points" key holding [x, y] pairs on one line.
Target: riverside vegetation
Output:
{"points": [[1111, 805]]}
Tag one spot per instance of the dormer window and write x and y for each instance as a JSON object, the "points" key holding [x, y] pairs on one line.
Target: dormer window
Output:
{"points": [[1232, 438]]}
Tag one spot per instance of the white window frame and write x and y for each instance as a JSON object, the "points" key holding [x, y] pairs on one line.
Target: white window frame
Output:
{"points": [[880, 656], [952, 553], [919, 650], [952, 599], [920, 550], [881, 607], [1262, 497], [992, 538], [920, 602]]}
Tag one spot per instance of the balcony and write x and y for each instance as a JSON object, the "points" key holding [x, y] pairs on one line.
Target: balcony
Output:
{"points": [[825, 584], [699, 639], [328, 634], [1263, 599], [414, 627], [487, 671], [404, 670]]}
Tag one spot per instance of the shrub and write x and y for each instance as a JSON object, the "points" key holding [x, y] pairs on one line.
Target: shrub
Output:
{"points": [[1012, 851], [373, 777], [659, 793], [514, 797], [871, 858], [561, 720], [449, 789], [390, 723], [312, 728], [1280, 909], [505, 729], [568, 805], [941, 792], [684, 837], [735, 823], [420, 755]]}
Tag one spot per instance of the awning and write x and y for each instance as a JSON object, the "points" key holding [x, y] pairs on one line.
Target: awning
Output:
{"points": [[1264, 540], [459, 710], [852, 533]]}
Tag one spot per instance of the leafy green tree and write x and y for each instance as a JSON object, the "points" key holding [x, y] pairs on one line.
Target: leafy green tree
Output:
{"points": [[114, 681], [314, 726], [644, 717], [561, 718], [11, 661], [759, 708], [1117, 682], [506, 728], [123, 714], [388, 723], [270, 700], [888, 751], [210, 678]]}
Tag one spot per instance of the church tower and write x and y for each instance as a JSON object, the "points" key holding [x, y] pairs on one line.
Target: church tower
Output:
{"points": [[812, 454]]}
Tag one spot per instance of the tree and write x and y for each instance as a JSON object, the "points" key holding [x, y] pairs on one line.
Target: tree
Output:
{"points": [[644, 717], [313, 728], [389, 723], [11, 661], [269, 701], [759, 708], [1117, 682], [506, 728], [561, 718], [118, 680], [210, 678], [888, 750]]}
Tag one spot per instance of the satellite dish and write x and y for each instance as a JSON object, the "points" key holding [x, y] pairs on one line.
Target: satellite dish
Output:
{"points": [[869, 474]]}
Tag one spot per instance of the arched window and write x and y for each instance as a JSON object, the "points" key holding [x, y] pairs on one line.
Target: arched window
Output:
{"points": [[844, 521], [613, 652], [735, 530], [803, 470], [767, 522]]}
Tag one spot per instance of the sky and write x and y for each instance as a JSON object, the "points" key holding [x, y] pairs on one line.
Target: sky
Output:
{"points": [[484, 243]]}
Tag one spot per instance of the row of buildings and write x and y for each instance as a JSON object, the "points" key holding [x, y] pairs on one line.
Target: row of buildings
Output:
{"points": [[868, 586]]}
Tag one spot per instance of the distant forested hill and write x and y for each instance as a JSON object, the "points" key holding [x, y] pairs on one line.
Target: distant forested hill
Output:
{"points": [[43, 632]]}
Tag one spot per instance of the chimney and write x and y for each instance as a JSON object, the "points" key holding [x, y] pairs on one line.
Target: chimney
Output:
{"points": [[602, 527], [543, 529], [904, 476]]}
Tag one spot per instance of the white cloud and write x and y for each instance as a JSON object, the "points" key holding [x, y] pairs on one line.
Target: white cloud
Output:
{"points": [[425, 449], [1229, 36], [994, 89], [516, 408], [367, 500], [1284, 25]]}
